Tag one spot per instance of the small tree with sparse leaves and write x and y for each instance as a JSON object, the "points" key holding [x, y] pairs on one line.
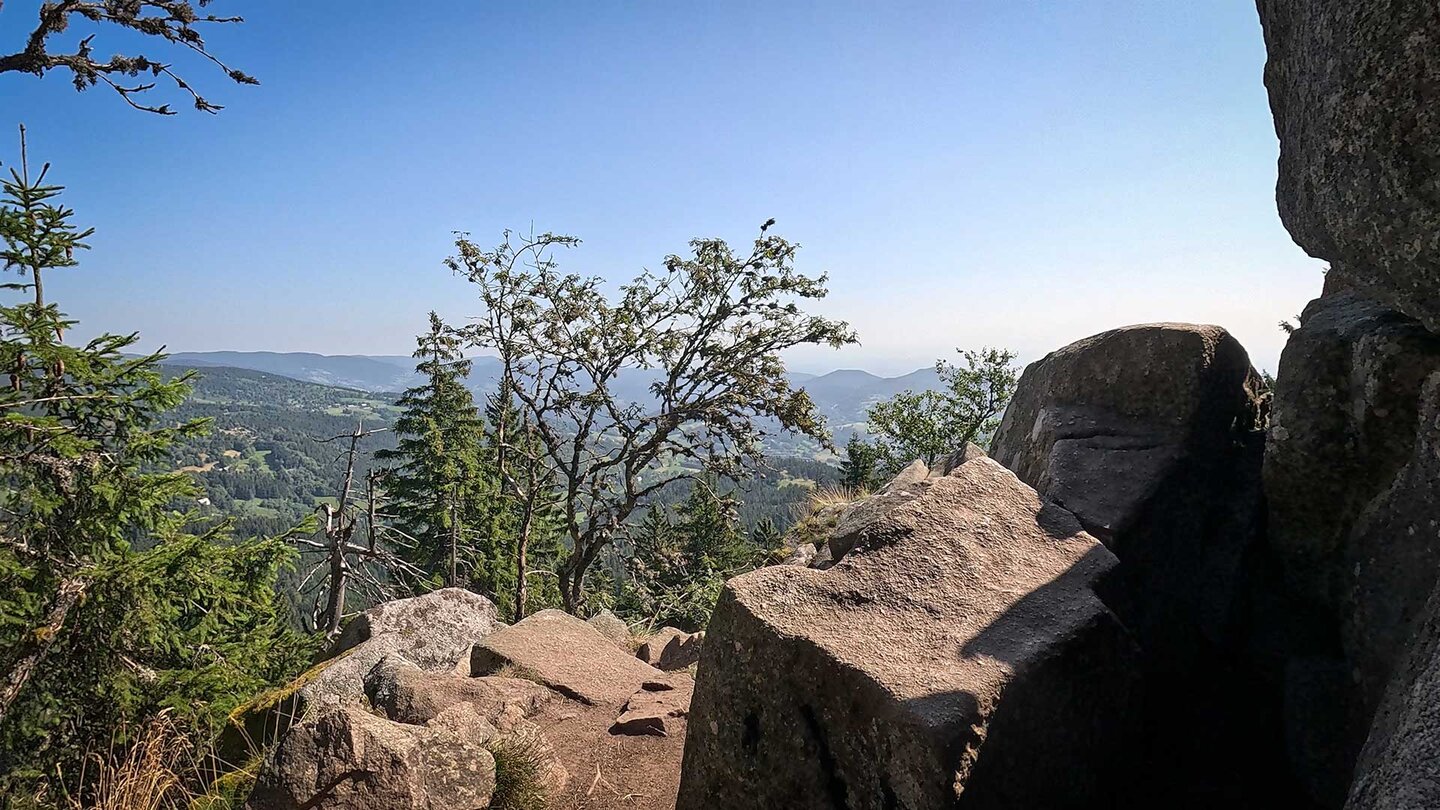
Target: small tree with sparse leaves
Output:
{"points": [[967, 408], [711, 327]]}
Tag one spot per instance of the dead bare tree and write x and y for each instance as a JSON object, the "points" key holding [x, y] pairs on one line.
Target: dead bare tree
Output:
{"points": [[366, 569], [176, 22]]}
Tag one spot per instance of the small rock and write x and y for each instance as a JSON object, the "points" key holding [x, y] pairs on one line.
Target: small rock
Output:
{"points": [[612, 627]]}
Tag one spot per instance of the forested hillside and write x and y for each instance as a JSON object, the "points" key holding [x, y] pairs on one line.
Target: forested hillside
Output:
{"points": [[265, 462]]}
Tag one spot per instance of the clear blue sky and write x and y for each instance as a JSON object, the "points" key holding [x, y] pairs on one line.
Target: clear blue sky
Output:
{"points": [[1000, 172]]}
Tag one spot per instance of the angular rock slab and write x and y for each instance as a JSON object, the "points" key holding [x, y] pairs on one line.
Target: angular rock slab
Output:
{"points": [[567, 655], [349, 759], [652, 709], [1352, 87], [956, 657]]}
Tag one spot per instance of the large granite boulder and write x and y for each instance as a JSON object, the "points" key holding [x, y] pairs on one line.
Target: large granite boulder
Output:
{"points": [[956, 656], [1394, 558], [435, 632], [1150, 435], [566, 654], [1343, 423], [1352, 86], [350, 759]]}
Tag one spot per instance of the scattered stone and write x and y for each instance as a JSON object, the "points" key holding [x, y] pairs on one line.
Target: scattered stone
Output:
{"points": [[802, 555], [349, 759], [957, 652], [647, 711], [567, 655], [671, 649], [1352, 89], [613, 628]]}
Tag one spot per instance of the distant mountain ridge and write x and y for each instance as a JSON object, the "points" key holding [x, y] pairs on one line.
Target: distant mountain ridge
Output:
{"points": [[841, 396]]}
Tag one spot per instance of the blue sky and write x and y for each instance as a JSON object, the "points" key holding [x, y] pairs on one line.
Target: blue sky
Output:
{"points": [[1000, 172]]}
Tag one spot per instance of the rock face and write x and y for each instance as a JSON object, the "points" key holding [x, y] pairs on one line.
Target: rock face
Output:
{"points": [[1350, 476], [1343, 424], [956, 656], [1400, 766], [567, 655], [671, 649], [1352, 87], [435, 632], [1150, 436], [349, 759]]}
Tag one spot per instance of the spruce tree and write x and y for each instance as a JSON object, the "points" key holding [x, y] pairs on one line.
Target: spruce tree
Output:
{"points": [[524, 522], [436, 482], [114, 602], [859, 469]]}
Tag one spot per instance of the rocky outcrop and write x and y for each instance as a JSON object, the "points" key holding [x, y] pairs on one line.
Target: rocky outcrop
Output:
{"points": [[956, 656], [566, 654], [1352, 86], [1151, 436], [671, 649], [349, 759]]}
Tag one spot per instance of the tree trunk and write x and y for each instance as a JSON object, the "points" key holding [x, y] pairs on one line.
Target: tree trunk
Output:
{"points": [[70, 592], [522, 547], [454, 539]]}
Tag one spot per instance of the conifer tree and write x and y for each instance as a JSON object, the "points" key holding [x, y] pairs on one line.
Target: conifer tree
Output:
{"points": [[437, 484], [677, 568], [766, 535], [111, 605], [859, 469], [525, 521]]}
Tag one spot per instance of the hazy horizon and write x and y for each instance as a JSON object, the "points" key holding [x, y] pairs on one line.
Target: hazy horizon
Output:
{"points": [[1020, 175]]}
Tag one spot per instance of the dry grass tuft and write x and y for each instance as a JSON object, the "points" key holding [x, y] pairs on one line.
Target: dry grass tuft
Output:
{"points": [[155, 773], [521, 772], [828, 497]]}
